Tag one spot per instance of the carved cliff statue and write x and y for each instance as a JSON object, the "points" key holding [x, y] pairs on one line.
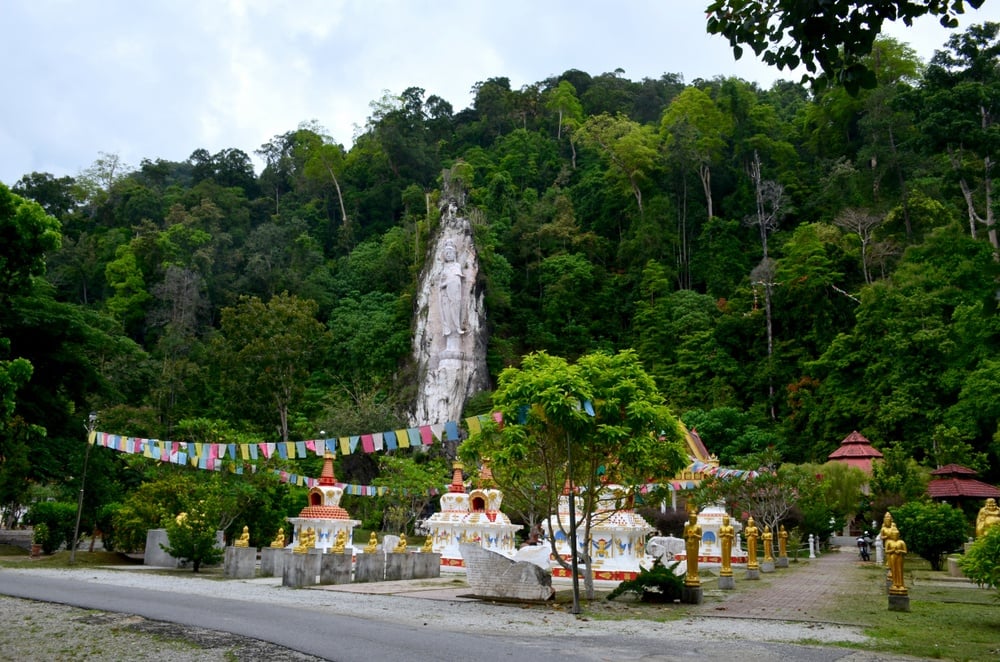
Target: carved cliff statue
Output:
{"points": [[451, 292], [449, 341]]}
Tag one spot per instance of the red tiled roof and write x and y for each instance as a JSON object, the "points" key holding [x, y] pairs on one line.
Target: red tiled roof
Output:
{"points": [[942, 488], [854, 446], [324, 512], [954, 470]]}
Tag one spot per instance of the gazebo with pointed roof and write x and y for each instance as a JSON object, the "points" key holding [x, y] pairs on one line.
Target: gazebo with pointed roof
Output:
{"points": [[953, 481], [856, 451]]}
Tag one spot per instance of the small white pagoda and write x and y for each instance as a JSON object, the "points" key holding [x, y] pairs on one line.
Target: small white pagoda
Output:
{"points": [[617, 534], [710, 549], [323, 514], [472, 517]]}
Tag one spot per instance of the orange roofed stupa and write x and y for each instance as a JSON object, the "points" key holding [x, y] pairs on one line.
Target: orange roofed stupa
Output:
{"points": [[324, 514]]}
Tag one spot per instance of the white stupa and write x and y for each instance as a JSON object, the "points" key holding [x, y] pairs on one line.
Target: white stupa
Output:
{"points": [[470, 518], [710, 549], [324, 514], [617, 535]]}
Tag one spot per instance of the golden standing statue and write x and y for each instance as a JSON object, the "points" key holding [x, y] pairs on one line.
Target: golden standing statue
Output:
{"points": [[883, 534], [768, 544], [782, 542], [726, 535], [692, 544], [752, 533], [244, 540], [989, 516], [279, 540], [895, 550]]}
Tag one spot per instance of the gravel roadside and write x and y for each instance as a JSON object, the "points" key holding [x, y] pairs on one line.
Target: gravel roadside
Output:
{"points": [[42, 631]]}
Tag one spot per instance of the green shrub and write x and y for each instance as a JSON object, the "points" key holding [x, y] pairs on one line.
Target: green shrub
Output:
{"points": [[930, 530], [40, 536], [59, 517], [656, 584], [981, 563]]}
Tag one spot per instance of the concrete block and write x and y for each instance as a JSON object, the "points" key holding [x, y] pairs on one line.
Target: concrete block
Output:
{"points": [[426, 565], [301, 570], [899, 602], [767, 566], [240, 562], [272, 561], [398, 566], [335, 568], [369, 567], [781, 562], [753, 574], [727, 583], [692, 595]]}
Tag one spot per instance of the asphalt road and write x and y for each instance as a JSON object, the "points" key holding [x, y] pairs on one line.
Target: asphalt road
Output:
{"points": [[349, 639]]}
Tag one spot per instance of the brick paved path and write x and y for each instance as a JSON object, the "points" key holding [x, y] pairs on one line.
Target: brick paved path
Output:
{"points": [[800, 592]]}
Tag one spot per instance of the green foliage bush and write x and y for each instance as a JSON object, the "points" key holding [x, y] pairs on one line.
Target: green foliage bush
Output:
{"points": [[192, 538], [59, 517], [658, 583], [981, 563], [930, 530]]}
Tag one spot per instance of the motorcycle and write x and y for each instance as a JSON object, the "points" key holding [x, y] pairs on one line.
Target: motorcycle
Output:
{"points": [[863, 546]]}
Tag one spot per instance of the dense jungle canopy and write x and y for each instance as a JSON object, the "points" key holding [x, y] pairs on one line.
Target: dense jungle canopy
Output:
{"points": [[790, 264]]}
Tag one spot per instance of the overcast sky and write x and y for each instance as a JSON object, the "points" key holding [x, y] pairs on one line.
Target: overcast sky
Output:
{"points": [[149, 79]]}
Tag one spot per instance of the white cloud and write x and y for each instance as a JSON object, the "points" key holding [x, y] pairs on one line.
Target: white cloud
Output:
{"points": [[159, 79]]}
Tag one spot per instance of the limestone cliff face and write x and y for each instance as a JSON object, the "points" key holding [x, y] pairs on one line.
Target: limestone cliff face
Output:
{"points": [[449, 340]]}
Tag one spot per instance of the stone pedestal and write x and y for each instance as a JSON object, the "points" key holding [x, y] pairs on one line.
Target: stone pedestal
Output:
{"points": [[272, 561], [727, 583], [240, 562], [767, 566], [781, 562], [426, 565], [899, 602], [693, 595], [398, 566], [753, 574], [369, 567], [301, 569], [335, 568]]}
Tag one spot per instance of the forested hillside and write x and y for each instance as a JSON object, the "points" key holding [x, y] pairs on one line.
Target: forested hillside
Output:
{"points": [[790, 265]]}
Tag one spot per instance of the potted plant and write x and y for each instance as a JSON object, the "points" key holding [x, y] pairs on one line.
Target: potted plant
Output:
{"points": [[39, 536]]}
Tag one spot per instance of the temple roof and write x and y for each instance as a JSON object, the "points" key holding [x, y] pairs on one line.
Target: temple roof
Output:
{"points": [[944, 488], [954, 470], [955, 481], [854, 446]]}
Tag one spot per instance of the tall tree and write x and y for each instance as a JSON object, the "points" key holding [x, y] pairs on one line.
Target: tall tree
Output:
{"points": [[960, 113], [603, 415], [829, 38], [267, 352]]}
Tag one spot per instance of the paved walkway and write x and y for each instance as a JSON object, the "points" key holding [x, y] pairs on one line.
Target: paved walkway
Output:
{"points": [[800, 592]]}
